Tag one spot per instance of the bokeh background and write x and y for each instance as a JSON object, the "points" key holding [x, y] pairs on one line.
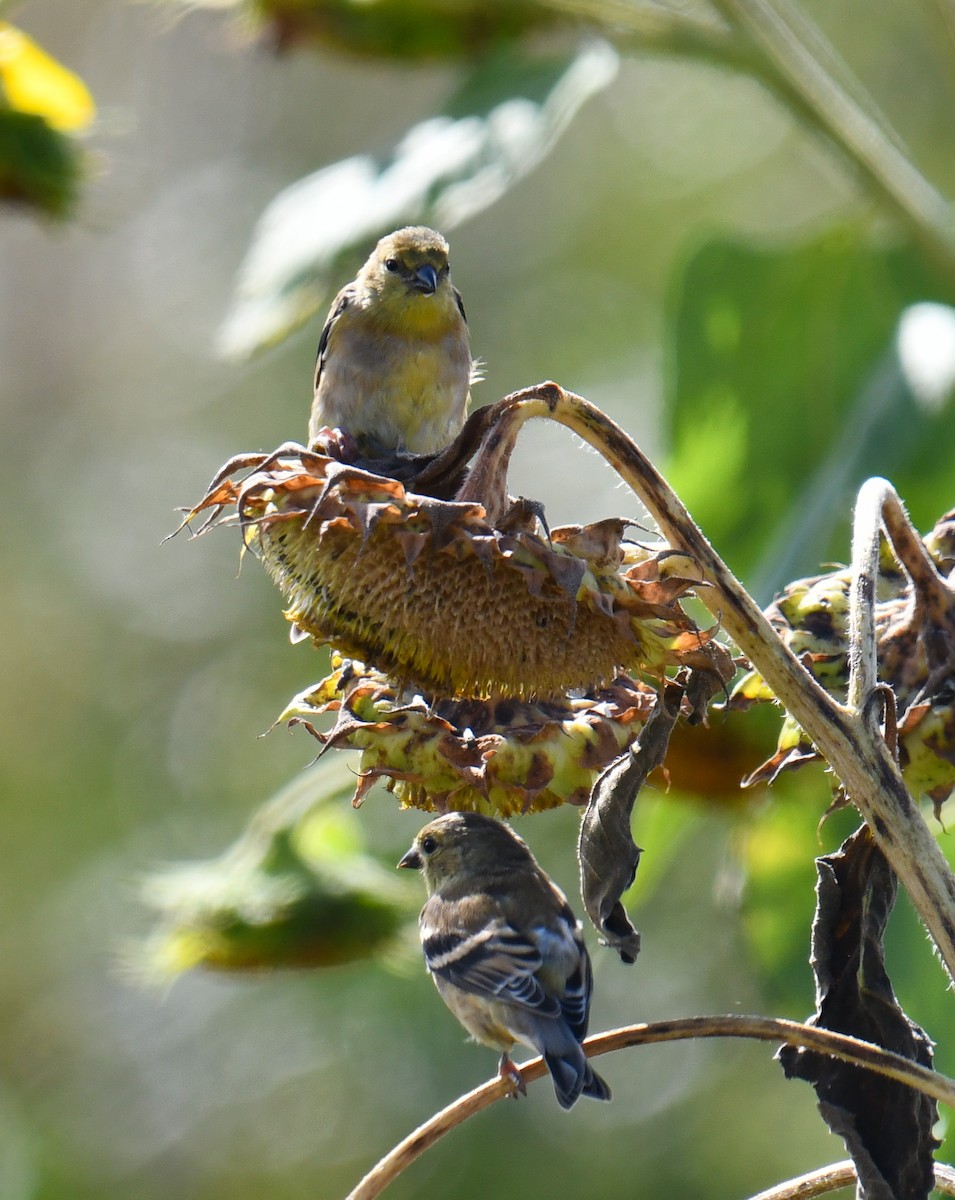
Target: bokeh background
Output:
{"points": [[690, 257]]}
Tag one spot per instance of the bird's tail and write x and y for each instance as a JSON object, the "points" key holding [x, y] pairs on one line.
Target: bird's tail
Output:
{"points": [[595, 1086], [573, 1077]]}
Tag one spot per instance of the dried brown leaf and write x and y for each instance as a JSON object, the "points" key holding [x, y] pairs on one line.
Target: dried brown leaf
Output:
{"points": [[887, 1127], [606, 851]]}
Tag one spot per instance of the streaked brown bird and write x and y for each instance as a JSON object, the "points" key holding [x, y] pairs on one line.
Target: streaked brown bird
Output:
{"points": [[394, 362], [504, 948]]}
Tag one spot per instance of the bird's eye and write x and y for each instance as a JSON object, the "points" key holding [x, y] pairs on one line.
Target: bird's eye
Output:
{"points": [[429, 844], [392, 264]]}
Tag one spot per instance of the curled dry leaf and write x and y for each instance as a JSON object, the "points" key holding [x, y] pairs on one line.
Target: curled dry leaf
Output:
{"points": [[606, 851], [887, 1127]]}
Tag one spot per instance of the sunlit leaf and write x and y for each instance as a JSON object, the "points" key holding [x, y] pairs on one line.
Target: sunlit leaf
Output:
{"points": [[776, 848], [41, 105], [802, 371], [501, 123]]}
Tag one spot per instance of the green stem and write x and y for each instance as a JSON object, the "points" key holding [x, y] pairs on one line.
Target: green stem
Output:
{"points": [[656, 29], [775, 43], [796, 52]]}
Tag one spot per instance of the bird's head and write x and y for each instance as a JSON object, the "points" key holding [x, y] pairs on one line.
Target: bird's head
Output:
{"points": [[464, 842], [408, 269]]}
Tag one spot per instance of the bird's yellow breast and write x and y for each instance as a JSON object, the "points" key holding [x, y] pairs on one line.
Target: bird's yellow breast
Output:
{"points": [[405, 386]]}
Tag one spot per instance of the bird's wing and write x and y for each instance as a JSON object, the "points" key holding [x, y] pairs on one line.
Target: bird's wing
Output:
{"points": [[575, 1001], [564, 953], [494, 960], [477, 364], [460, 303], [340, 303]]}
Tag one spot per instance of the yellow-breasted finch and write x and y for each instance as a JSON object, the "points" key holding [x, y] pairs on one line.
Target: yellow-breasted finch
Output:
{"points": [[394, 364]]}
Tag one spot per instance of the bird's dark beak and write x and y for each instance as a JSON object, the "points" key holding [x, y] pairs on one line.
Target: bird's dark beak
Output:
{"points": [[411, 860], [425, 279]]}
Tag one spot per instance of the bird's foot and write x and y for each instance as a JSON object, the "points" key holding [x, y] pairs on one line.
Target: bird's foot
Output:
{"points": [[510, 1073], [335, 443]]}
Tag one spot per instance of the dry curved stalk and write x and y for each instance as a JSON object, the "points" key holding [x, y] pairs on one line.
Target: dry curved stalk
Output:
{"points": [[879, 508], [767, 1029], [840, 1175], [849, 742], [813, 1183], [863, 663], [933, 598], [927, 584]]}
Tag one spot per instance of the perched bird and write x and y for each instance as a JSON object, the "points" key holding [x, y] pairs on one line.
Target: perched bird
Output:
{"points": [[504, 948], [394, 361]]}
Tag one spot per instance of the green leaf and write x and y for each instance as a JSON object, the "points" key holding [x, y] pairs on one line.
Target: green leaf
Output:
{"points": [[38, 166], [776, 848], [394, 29], [503, 120], [788, 389], [296, 889], [404, 29]]}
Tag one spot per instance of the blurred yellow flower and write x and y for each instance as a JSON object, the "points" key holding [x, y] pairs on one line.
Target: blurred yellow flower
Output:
{"points": [[33, 82]]}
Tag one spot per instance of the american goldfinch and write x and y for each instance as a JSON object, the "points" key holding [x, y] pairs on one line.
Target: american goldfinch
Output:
{"points": [[504, 948], [394, 361]]}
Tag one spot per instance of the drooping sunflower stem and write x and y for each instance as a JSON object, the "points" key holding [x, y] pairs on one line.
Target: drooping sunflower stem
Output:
{"points": [[933, 599], [929, 585], [852, 746]]}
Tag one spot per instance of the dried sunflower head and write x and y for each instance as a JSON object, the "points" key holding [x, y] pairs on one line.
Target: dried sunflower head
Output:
{"points": [[501, 757], [916, 658], [432, 592]]}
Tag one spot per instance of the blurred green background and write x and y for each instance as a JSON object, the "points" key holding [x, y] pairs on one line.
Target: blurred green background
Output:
{"points": [[687, 256]]}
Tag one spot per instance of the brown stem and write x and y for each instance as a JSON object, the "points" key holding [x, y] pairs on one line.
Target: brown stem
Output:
{"points": [[852, 746], [932, 607], [815, 1183], [840, 1175], [767, 1029], [933, 595]]}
